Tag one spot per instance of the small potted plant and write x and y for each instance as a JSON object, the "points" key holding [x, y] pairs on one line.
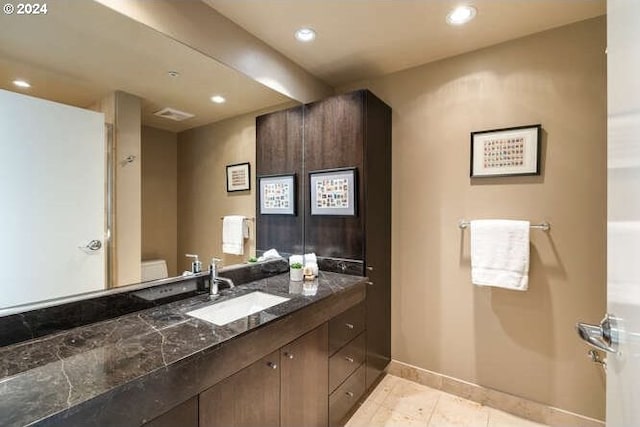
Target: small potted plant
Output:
{"points": [[295, 272]]}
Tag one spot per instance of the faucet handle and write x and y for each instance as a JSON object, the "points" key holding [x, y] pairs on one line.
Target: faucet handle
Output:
{"points": [[215, 260]]}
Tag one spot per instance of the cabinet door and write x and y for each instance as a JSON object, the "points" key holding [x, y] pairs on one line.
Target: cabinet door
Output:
{"points": [[183, 415], [305, 381], [378, 235], [249, 398]]}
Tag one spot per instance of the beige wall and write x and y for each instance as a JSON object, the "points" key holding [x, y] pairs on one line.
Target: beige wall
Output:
{"points": [[124, 112], [519, 343], [203, 154], [159, 197], [128, 204]]}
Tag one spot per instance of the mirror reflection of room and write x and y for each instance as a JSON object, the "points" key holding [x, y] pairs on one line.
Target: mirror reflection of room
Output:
{"points": [[139, 180]]}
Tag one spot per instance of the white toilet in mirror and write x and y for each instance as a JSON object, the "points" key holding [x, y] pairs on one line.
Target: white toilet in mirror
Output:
{"points": [[154, 269]]}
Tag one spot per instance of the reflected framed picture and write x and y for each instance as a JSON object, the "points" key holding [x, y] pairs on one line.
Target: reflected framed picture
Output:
{"points": [[333, 192], [238, 177], [506, 152], [277, 194]]}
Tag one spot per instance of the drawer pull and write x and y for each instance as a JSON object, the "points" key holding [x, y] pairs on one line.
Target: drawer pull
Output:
{"points": [[349, 325], [370, 283], [349, 359], [369, 268], [272, 365], [349, 393], [288, 355]]}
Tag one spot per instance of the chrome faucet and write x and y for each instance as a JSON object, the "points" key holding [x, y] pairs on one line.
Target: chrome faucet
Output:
{"points": [[214, 279]]}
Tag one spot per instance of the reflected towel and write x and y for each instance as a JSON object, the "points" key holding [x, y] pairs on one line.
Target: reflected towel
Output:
{"points": [[500, 253], [233, 234], [311, 257]]}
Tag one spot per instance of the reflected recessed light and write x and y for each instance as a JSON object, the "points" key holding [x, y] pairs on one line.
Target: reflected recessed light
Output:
{"points": [[21, 83], [305, 34], [173, 73], [461, 15], [218, 99]]}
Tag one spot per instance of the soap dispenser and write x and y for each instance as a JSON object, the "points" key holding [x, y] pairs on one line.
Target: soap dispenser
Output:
{"points": [[196, 265]]}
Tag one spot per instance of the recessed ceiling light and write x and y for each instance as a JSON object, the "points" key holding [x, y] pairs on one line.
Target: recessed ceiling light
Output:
{"points": [[21, 83], [305, 34], [461, 15], [218, 99]]}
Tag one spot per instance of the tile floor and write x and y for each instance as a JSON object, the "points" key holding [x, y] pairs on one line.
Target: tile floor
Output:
{"points": [[397, 402]]}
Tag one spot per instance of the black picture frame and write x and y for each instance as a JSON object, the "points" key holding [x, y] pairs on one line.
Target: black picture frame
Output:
{"points": [[505, 152], [239, 168], [351, 176], [265, 205]]}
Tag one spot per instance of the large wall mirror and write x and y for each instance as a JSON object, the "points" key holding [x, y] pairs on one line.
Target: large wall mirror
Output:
{"points": [[95, 184]]}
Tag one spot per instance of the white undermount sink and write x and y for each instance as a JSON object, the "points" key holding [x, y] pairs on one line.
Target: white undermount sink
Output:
{"points": [[227, 311]]}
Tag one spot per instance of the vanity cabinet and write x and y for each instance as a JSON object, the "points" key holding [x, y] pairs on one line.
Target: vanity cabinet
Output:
{"points": [[347, 338], [250, 397], [304, 381], [287, 388]]}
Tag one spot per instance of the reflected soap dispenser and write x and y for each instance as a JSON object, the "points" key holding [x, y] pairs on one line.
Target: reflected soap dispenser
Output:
{"points": [[196, 265]]}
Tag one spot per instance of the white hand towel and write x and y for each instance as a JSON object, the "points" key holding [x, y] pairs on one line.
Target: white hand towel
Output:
{"points": [[233, 234], [310, 257], [500, 253]]}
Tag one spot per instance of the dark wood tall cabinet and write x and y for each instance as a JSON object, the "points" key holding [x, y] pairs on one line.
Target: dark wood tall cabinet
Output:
{"points": [[352, 130]]}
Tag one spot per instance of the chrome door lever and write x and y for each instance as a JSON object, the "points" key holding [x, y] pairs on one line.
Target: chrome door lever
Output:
{"points": [[91, 246], [603, 337]]}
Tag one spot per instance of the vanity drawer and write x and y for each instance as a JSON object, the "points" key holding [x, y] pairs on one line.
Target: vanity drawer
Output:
{"points": [[345, 397], [346, 326], [345, 361]]}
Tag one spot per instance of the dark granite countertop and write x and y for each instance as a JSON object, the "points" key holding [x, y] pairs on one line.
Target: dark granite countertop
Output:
{"points": [[48, 376]]}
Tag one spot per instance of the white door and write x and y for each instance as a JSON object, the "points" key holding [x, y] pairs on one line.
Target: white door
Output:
{"points": [[623, 246], [52, 180]]}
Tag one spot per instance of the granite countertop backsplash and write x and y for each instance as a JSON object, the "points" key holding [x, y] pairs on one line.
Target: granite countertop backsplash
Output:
{"points": [[49, 375]]}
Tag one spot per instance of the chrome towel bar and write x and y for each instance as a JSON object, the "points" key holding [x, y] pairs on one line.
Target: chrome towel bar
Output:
{"points": [[246, 219], [544, 226]]}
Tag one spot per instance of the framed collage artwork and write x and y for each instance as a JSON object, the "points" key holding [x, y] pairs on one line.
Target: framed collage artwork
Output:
{"points": [[277, 194], [506, 152], [333, 192]]}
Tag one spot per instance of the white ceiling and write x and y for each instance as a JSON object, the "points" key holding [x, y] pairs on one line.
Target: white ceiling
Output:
{"points": [[359, 39], [81, 51]]}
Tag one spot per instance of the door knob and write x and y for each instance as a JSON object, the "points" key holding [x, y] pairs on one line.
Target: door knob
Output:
{"points": [[603, 337]]}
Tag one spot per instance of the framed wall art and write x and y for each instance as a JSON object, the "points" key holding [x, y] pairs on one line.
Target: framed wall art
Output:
{"points": [[333, 192], [238, 177], [506, 152], [277, 194]]}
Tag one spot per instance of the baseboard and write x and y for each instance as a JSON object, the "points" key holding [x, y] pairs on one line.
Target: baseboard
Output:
{"points": [[518, 406]]}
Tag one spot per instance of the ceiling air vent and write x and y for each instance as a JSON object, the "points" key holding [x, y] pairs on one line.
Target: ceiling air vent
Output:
{"points": [[173, 114]]}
